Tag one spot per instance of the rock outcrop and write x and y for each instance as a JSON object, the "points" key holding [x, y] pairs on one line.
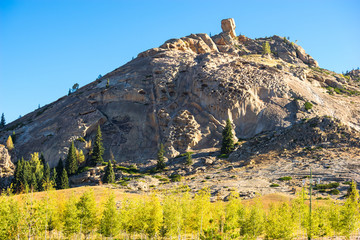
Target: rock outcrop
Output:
{"points": [[181, 94], [6, 167]]}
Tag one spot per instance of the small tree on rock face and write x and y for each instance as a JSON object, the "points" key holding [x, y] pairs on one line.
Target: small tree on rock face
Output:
{"points": [[160, 158], [2, 121], [266, 48], [98, 149], [9, 144], [71, 163], [189, 160], [227, 139], [109, 176]]}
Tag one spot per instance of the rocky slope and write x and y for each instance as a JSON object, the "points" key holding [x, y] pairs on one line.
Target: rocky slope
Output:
{"points": [[181, 93]]}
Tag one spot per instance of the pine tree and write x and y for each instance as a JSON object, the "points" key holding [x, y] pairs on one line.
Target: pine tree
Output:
{"points": [[46, 176], [9, 144], [109, 176], [64, 180], [160, 158], [189, 160], [53, 177], [266, 48], [98, 149], [227, 139], [2, 121], [59, 170], [42, 158], [87, 212], [18, 176], [71, 163], [109, 223]]}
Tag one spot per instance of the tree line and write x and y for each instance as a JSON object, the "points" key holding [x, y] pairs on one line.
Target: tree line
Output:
{"points": [[176, 214], [36, 174]]}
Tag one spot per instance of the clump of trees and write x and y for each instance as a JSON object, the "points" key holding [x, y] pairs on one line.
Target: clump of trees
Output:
{"points": [[177, 214]]}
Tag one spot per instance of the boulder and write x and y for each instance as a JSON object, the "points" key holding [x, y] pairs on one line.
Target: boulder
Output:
{"points": [[228, 26]]}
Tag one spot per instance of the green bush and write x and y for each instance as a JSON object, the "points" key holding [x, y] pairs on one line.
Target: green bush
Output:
{"points": [[334, 192], [308, 105], [223, 156], [287, 178], [175, 178], [327, 186], [274, 185]]}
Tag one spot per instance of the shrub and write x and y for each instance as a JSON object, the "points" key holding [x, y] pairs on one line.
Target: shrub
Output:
{"points": [[175, 178], [334, 192], [223, 156], [286, 178], [274, 185], [327, 186], [308, 105]]}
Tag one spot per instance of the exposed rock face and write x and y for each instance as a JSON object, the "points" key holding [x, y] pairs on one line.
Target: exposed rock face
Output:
{"points": [[181, 94], [6, 167], [228, 26]]}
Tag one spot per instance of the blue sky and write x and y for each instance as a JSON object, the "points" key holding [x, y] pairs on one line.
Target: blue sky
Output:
{"points": [[48, 45]]}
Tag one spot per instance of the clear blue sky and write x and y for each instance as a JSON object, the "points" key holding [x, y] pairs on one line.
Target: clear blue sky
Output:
{"points": [[48, 45]]}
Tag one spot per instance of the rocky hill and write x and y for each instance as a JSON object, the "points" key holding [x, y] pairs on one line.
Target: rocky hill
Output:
{"points": [[181, 93]]}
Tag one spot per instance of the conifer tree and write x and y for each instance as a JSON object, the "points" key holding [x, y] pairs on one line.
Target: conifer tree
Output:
{"points": [[227, 139], [2, 121], [189, 160], [64, 180], [42, 158], [59, 170], [9, 144], [18, 176], [109, 176], [98, 149], [71, 163], [160, 158], [109, 223], [53, 177], [46, 175]]}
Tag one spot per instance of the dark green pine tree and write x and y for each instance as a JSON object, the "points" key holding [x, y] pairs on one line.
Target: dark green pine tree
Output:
{"points": [[98, 149], [42, 159], [59, 170], [46, 173], [160, 158], [27, 175], [64, 180], [109, 176], [53, 177], [18, 176], [71, 163], [227, 139], [2, 121]]}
